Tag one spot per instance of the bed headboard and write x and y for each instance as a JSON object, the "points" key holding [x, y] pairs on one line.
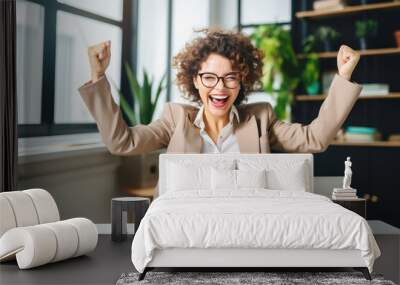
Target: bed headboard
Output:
{"points": [[211, 159]]}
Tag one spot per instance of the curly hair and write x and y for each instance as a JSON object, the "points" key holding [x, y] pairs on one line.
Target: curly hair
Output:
{"points": [[233, 45]]}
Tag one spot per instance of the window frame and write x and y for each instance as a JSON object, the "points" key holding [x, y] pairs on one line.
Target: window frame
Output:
{"points": [[129, 27]]}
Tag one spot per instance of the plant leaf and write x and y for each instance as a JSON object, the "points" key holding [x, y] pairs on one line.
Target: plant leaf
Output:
{"points": [[160, 88], [134, 86], [126, 108]]}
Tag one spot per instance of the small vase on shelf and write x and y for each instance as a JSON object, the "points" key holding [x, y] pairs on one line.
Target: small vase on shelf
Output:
{"points": [[313, 88]]}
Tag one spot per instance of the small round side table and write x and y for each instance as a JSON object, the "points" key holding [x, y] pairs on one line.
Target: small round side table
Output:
{"points": [[120, 207]]}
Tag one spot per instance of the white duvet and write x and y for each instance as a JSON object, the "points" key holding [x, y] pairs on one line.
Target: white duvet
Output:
{"points": [[253, 218]]}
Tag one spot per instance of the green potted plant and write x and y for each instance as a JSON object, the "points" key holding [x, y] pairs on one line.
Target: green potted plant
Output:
{"points": [[311, 68], [281, 68], [365, 31], [145, 103], [327, 36]]}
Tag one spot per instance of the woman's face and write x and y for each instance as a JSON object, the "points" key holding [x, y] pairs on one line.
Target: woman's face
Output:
{"points": [[217, 98]]}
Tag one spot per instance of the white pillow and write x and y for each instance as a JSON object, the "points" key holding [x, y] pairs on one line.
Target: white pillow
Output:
{"points": [[223, 179], [185, 175], [292, 179], [281, 174], [228, 179], [251, 178]]}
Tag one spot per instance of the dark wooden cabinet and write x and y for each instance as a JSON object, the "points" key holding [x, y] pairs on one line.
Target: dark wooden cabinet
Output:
{"points": [[358, 206]]}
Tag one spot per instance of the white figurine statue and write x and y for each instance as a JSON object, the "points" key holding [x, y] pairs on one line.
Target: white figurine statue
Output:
{"points": [[347, 174]]}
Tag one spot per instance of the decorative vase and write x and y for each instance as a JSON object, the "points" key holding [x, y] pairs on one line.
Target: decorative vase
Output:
{"points": [[327, 46], [313, 89], [397, 36], [363, 43]]}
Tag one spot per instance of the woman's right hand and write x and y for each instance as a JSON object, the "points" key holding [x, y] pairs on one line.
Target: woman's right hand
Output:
{"points": [[99, 59]]}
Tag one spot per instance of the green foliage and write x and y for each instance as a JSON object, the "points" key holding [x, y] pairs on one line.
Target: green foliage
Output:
{"points": [[325, 33], [366, 29], [281, 68], [309, 44], [144, 106], [311, 68]]}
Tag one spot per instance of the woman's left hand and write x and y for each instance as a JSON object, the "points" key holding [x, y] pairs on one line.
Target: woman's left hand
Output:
{"points": [[347, 60]]}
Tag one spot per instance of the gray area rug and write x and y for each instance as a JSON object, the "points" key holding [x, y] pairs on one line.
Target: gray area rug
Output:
{"points": [[229, 278]]}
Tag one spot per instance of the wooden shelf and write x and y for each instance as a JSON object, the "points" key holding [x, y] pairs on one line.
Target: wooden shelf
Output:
{"points": [[368, 52], [363, 97], [313, 14], [367, 144]]}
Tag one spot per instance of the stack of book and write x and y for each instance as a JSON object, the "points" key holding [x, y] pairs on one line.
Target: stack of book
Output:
{"points": [[328, 4], [362, 134], [344, 194], [374, 89]]}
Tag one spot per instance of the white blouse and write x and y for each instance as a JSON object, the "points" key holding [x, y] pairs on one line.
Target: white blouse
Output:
{"points": [[226, 140]]}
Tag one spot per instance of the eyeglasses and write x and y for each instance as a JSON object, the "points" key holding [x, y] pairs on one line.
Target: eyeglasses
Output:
{"points": [[210, 80]]}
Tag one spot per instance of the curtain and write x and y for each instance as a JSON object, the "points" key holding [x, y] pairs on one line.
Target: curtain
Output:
{"points": [[8, 100]]}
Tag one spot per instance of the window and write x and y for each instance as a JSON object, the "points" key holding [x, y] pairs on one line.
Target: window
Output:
{"points": [[258, 12], [29, 42], [164, 28], [74, 34], [52, 63], [188, 15], [266, 12], [153, 44]]}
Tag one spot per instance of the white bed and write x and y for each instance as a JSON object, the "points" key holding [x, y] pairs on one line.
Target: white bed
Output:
{"points": [[268, 217]]}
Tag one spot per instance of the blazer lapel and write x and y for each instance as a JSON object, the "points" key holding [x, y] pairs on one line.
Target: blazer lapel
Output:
{"points": [[193, 140], [246, 133]]}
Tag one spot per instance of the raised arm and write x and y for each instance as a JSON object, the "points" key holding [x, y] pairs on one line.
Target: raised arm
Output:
{"points": [[116, 135], [316, 137]]}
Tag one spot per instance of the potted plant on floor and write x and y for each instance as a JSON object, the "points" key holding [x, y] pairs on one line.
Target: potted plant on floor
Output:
{"points": [[311, 69], [145, 101], [281, 68], [144, 106], [327, 36], [365, 31]]}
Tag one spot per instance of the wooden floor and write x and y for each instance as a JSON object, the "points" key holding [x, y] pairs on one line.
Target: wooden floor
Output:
{"points": [[103, 266]]}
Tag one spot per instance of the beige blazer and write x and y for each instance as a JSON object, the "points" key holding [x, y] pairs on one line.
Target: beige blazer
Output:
{"points": [[259, 131]]}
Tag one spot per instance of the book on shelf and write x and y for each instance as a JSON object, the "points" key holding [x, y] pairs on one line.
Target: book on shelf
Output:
{"points": [[394, 138], [344, 191], [328, 5], [361, 130], [374, 89], [345, 194], [344, 198], [361, 134], [362, 137]]}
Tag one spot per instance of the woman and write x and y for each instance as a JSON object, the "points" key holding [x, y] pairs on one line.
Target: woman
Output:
{"points": [[218, 70]]}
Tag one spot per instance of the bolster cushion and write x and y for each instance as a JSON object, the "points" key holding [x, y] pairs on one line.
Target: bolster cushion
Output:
{"points": [[26, 208], [40, 244]]}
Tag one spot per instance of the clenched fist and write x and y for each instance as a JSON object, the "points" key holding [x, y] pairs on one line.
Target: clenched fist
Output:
{"points": [[99, 59], [347, 60]]}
